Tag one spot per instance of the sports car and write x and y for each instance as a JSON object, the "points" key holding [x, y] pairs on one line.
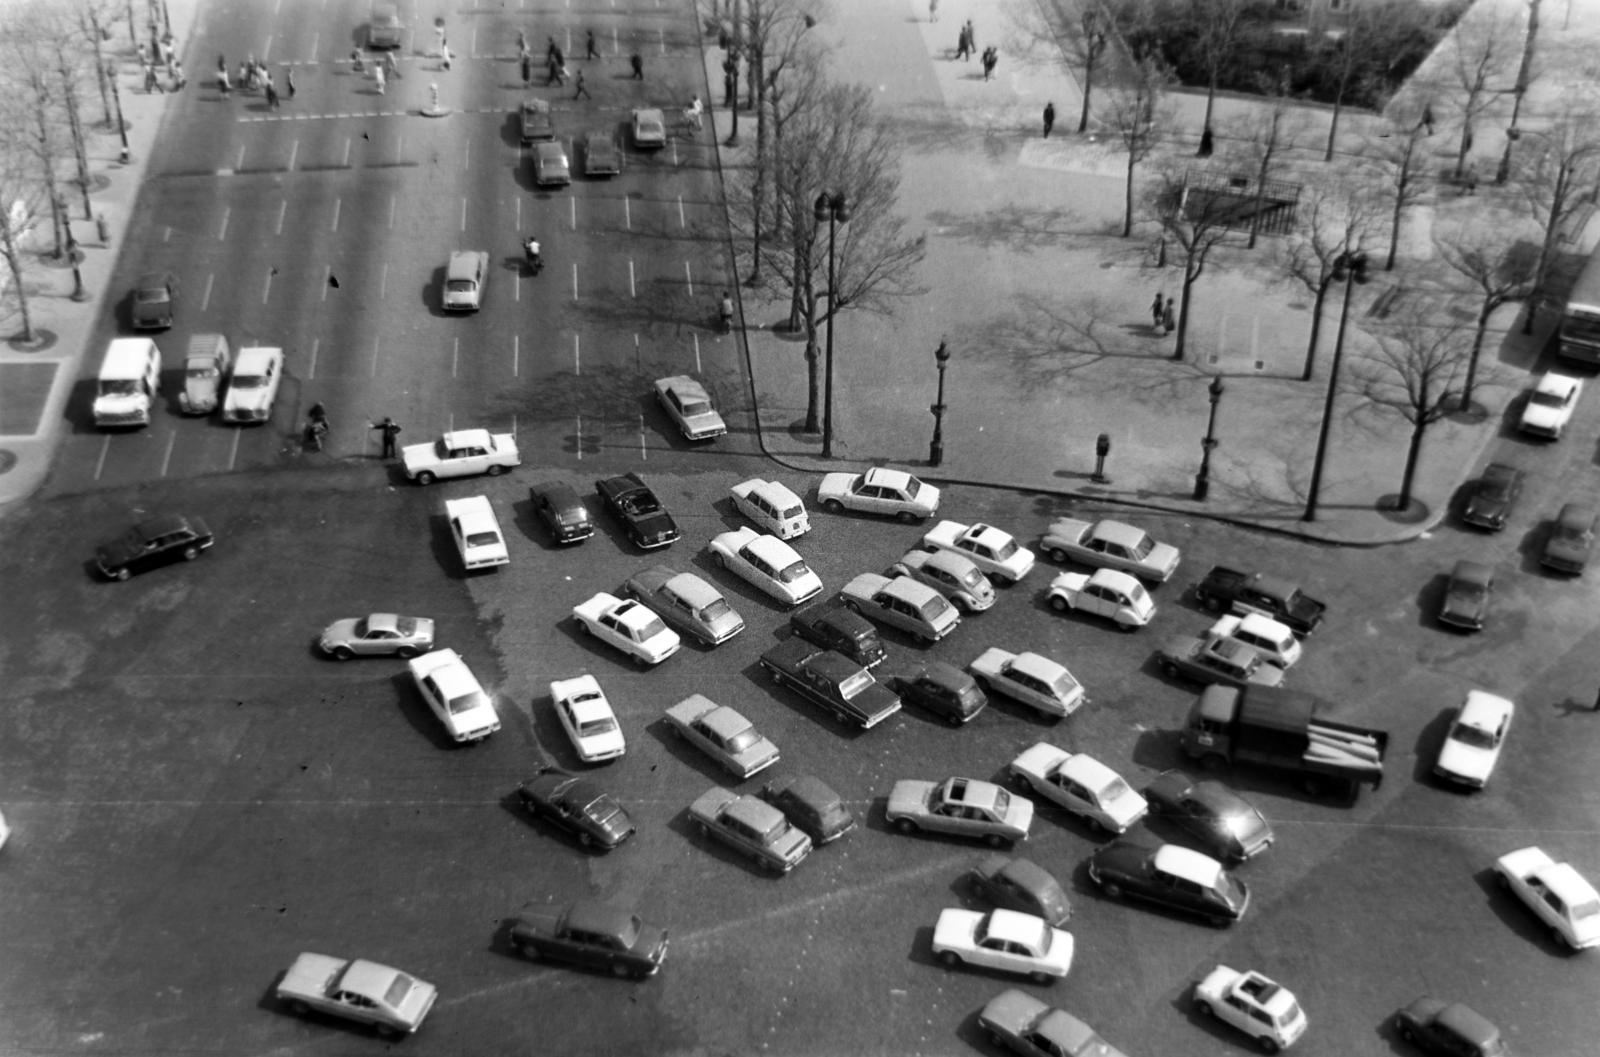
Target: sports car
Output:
{"points": [[378, 634], [393, 1002], [644, 519], [592, 934], [151, 543], [577, 805]]}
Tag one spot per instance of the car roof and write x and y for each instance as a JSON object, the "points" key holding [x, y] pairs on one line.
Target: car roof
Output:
{"points": [[1261, 624], [775, 492], [1118, 532], [591, 709], [455, 679], [1115, 579], [1087, 771], [1065, 1030], [909, 590], [1172, 785], [1015, 926], [949, 561], [980, 794], [462, 438], [1027, 873], [1557, 384], [1566, 882], [256, 356], [367, 978], [724, 721], [1472, 572], [1484, 710], [772, 549], [1467, 1024], [591, 915], [383, 622], [634, 615], [946, 675], [693, 589], [683, 385], [161, 526], [1189, 865], [987, 534], [897, 479], [757, 814], [832, 665], [1038, 667], [1577, 515]]}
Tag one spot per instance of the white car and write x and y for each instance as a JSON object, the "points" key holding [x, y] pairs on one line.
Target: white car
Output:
{"points": [[901, 603], [477, 533], [892, 493], [1550, 405], [393, 1002], [1257, 1006], [948, 573], [688, 404], [1082, 785], [257, 373], [993, 551], [628, 625], [1036, 681], [723, 734], [649, 128], [464, 276], [1555, 892], [1472, 746], [1008, 940], [768, 563], [1273, 641], [550, 165], [461, 453], [772, 506], [452, 691], [587, 718], [1116, 596]]}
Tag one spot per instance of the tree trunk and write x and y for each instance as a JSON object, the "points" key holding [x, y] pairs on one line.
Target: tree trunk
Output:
{"points": [[1316, 330], [1413, 453], [1333, 125], [13, 260], [813, 369], [1088, 86], [1127, 215], [1211, 100], [1189, 277], [1400, 188], [79, 150], [1489, 305], [1466, 145]]}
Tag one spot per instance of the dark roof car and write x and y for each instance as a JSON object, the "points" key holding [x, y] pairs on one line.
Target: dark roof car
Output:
{"points": [[561, 509], [600, 155], [751, 827], [1493, 497], [1449, 1029], [835, 626], [593, 934], [812, 805], [1466, 596], [154, 298], [550, 166], [384, 30], [534, 119], [1017, 1020], [578, 805], [643, 517], [1224, 821], [1571, 539], [154, 542], [1171, 876], [1022, 884], [941, 688]]}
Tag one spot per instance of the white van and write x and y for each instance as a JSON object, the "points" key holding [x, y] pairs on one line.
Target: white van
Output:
{"points": [[772, 506], [129, 378]]}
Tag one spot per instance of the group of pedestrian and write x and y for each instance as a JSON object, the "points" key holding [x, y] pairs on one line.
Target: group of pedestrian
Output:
{"points": [[966, 43], [991, 56], [1163, 316], [253, 76]]}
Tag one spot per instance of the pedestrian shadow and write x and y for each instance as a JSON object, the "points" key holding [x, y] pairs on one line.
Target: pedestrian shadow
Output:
{"points": [[1571, 706]]}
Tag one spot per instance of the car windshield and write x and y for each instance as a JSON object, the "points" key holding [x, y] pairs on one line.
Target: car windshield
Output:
{"points": [[467, 702], [640, 503], [856, 683], [1115, 789], [696, 407], [1289, 1015], [972, 579], [361, 628], [1548, 399], [1472, 737], [595, 727], [1586, 909], [745, 739], [602, 809], [1229, 889], [406, 625], [461, 286], [249, 381], [1002, 553], [1467, 591], [913, 486], [1062, 684], [793, 573], [933, 608], [1571, 533], [790, 512], [483, 539], [1002, 802], [153, 295], [715, 611], [203, 370], [118, 387], [398, 990]]}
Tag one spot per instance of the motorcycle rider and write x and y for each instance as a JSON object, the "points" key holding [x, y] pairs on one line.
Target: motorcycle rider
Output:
{"points": [[727, 312], [530, 246]]}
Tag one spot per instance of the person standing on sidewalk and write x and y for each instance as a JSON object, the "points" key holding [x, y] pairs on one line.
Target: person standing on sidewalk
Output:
{"points": [[527, 68], [444, 58], [972, 40], [222, 82], [1049, 118], [1169, 317], [1155, 313], [288, 81], [272, 92], [378, 78], [963, 46], [637, 62], [392, 65]]}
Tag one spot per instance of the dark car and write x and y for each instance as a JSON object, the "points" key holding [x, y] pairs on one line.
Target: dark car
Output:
{"points": [[1493, 497], [593, 934], [835, 626], [643, 517], [941, 688], [1466, 596], [153, 543], [384, 30], [577, 805], [561, 509], [1171, 876], [1571, 539], [808, 803], [154, 299], [600, 155], [1223, 820], [1449, 1028], [534, 119], [1017, 1020], [1021, 884], [686, 602]]}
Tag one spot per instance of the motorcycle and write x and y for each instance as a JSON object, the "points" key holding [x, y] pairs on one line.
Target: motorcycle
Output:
{"points": [[530, 249]]}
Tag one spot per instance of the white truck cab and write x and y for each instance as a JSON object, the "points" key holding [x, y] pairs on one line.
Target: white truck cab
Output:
{"points": [[129, 379]]}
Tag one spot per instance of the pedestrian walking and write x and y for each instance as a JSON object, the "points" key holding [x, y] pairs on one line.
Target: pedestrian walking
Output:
{"points": [[1155, 312], [527, 68], [1427, 117], [730, 87], [990, 58], [561, 57], [637, 62], [963, 45], [288, 81], [593, 52], [151, 82], [1469, 180], [438, 29], [377, 79], [222, 82], [272, 93], [972, 39], [390, 431], [444, 58], [1169, 318], [356, 65], [550, 50], [933, 10], [522, 45], [555, 74], [582, 92], [222, 64], [695, 109], [144, 56], [174, 83], [1049, 118], [391, 65]]}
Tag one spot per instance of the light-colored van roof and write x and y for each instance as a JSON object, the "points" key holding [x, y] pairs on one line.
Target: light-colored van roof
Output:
{"points": [[127, 357]]}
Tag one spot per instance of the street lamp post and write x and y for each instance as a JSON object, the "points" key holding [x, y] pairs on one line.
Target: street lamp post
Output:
{"points": [[1202, 480], [1351, 268], [833, 209], [122, 126], [936, 449]]}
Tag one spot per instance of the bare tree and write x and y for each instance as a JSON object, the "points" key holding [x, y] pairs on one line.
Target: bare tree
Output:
{"points": [[1265, 136], [1557, 180], [1335, 220], [1369, 32], [20, 203], [1140, 118], [1396, 160], [30, 80], [1483, 48], [1219, 24], [1527, 73], [1044, 36], [1197, 222], [1498, 269], [61, 38]]}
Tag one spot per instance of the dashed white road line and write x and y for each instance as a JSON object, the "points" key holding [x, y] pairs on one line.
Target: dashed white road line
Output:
{"points": [[205, 299], [316, 343], [166, 458], [233, 452], [100, 463], [222, 233]]}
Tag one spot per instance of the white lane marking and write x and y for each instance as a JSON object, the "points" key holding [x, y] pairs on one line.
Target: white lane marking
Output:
{"points": [[377, 343], [400, 148], [268, 49], [327, 274], [518, 202], [644, 452], [240, 163], [316, 343], [573, 222], [283, 207], [166, 458], [633, 288], [696, 353], [100, 463], [516, 352], [638, 355], [663, 35], [577, 354], [338, 204], [166, 233], [688, 276], [463, 214], [627, 215], [383, 280], [391, 212], [266, 286], [455, 358], [346, 147], [580, 438], [683, 221], [205, 300], [294, 152], [574, 280], [316, 38], [233, 452], [222, 234]]}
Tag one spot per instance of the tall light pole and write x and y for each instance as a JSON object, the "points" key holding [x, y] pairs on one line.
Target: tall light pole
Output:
{"points": [[936, 448], [1351, 268], [1202, 480], [833, 209], [122, 126]]}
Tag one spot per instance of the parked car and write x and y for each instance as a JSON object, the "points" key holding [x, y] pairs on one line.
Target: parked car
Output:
{"points": [[253, 386], [588, 719], [1171, 876], [393, 1002], [1273, 640], [991, 550], [464, 275], [723, 734], [1211, 660], [1493, 497], [578, 805], [1556, 893], [592, 934], [476, 532], [1571, 539], [686, 602], [205, 372], [964, 807], [561, 509], [1111, 545], [941, 688], [835, 626], [455, 696], [1029, 678], [689, 406], [1472, 746], [155, 296], [384, 30], [1467, 594], [1116, 596], [550, 165], [644, 519], [534, 118], [460, 453], [377, 635], [1021, 885], [649, 129], [1550, 405], [1005, 940], [1226, 823], [600, 155], [1257, 1006], [812, 805], [1018, 1021], [152, 543], [950, 574], [903, 603], [629, 626], [832, 681], [772, 506], [1449, 1029], [767, 563], [1082, 785], [891, 493], [751, 827]]}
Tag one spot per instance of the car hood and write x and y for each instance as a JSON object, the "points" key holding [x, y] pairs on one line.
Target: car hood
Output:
{"points": [[1459, 608], [339, 631], [158, 312], [910, 797], [1541, 417], [1486, 508], [541, 920], [1566, 551], [200, 392], [1126, 809], [706, 421], [248, 399], [657, 524], [120, 403], [758, 756], [1163, 558], [414, 456]]}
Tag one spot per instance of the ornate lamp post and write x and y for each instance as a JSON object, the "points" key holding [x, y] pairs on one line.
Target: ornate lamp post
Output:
{"points": [[122, 126], [833, 209], [936, 449], [1349, 268], [1202, 480]]}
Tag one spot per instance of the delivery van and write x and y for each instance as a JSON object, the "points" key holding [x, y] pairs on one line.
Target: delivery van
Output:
{"points": [[129, 378]]}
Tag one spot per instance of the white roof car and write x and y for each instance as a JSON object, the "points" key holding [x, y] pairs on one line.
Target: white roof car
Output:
{"points": [[629, 625], [587, 718], [477, 533], [1081, 784], [990, 549], [772, 506], [1117, 596], [1556, 892], [1190, 865], [461, 453], [393, 1002], [550, 165], [649, 128], [452, 691], [892, 493], [257, 373], [768, 563], [1034, 680], [688, 404], [1273, 641], [1257, 1006], [1551, 404], [464, 277], [903, 603], [1472, 746], [1008, 940]]}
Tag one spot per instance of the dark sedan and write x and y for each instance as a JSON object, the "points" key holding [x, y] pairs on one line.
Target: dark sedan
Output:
{"points": [[1223, 820], [600, 155], [534, 120], [1571, 539], [593, 934], [1171, 876], [1021, 884], [643, 517], [811, 805], [1449, 1029], [941, 688], [1466, 596], [152, 543], [561, 509], [577, 805], [154, 299], [1493, 497]]}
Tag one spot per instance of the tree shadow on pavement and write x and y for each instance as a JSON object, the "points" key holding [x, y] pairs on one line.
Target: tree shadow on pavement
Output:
{"points": [[1015, 228]]}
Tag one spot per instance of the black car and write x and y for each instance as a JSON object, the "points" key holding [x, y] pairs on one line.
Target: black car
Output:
{"points": [[835, 626], [1223, 820], [1021, 884], [600, 155], [1172, 876], [809, 804], [643, 517], [1448, 1028], [577, 805], [153, 543], [593, 934], [154, 299], [941, 688], [1466, 596], [561, 509], [1571, 539], [1493, 497]]}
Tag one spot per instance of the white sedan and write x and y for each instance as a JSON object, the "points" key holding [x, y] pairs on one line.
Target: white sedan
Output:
{"points": [[1116, 596], [476, 532], [630, 626], [1555, 892], [393, 1002], [1080, 784], [892, 493], [454, 695], [768, 563], [1257, 1006], [1472, 746], [688, 404], [461, 453], [1036, 681], [991, 550], [587, 718], [1550, 405], [1008, 940]]}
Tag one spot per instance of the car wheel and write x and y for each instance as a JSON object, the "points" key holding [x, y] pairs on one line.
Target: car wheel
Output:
{"points": [[1112, 889], [779, 679], [926, 639], [1204, 1008], [1213, 761], [1059, 603], [425, 477], [905, 517], [1268, 1044], [585, 839], [1059, 555], [1407, 1034], [1171, 669], [385, 1031], [705, 830], [722, 560], [584, 629], [1505, 882], [1561, 938], [529, 951], [618, 969], [1095, 825], [1212, 603], [405, 653], [191, 553], [1039, 978], [342, 653], [997, 1038], [1128, 628], [122, 573], [299, 1008], [905, 825], [950, 958], [852, 605], [994, 840], [496, 470], [953, 719], [833, 506]]}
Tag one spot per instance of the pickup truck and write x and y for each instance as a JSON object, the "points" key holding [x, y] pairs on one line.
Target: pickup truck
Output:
{"points": [[1286, 730], [835, 626], [831, 680], [1233, 591]]}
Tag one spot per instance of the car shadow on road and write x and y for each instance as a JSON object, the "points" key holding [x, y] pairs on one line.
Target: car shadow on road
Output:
{"points": [[419, 715], [1430, 739], [1518, 918], [680, 749], [1183, 1004]]}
